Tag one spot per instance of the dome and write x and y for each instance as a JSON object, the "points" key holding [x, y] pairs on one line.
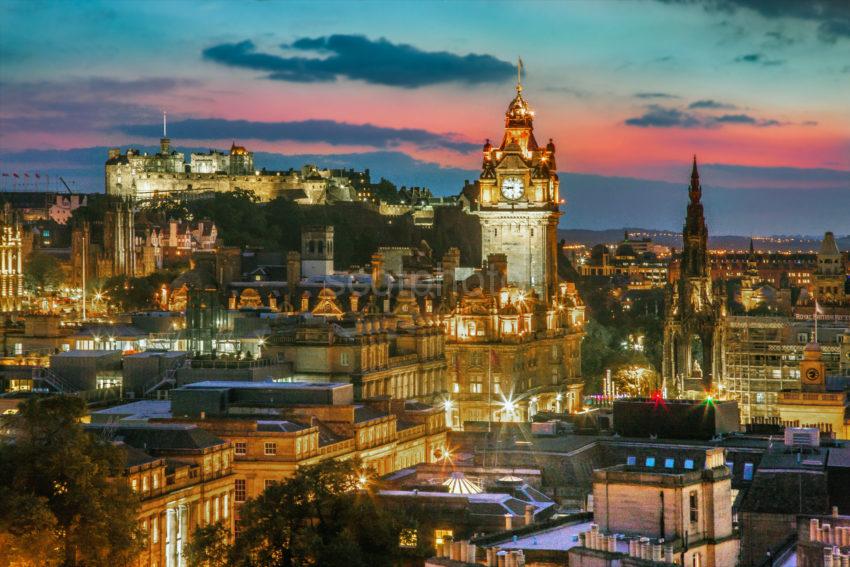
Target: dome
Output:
{"points": [[458, 484], [237, 150]]}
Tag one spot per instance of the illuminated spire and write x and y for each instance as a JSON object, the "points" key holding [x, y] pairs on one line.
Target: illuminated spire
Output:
{"points": [[695, 190], [164, 124]]}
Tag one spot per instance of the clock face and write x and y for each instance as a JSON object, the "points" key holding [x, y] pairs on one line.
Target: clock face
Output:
{"points": [[812, 374], [512, 188]]}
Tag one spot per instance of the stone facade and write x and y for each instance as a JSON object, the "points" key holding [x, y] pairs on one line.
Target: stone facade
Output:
{"points": [[11, 262]]}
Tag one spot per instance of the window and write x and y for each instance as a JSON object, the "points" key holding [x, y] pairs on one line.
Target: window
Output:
{"points": [[134, 484], [216, 509], [455, 387], [669, 463], [730, 465], [240, 492], [407, 538], [689, 463], [270, 448], [241, 448], [748, 471], [144, 484], [344, 359], [268, 482], [650, 461], [476, 387], [155, 481], [226, 508], [440, 535], [155, 529], [694, 502], [631, 460], [207, 511]]}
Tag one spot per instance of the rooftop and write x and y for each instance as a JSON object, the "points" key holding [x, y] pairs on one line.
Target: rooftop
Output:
{"points": [[266, 385]]}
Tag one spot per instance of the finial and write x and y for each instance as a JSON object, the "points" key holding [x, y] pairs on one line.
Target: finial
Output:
{"points": [[694, 172], [519, 75]]}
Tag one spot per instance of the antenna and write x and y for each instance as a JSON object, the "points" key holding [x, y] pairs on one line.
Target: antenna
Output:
{"points": [[519, 74]]}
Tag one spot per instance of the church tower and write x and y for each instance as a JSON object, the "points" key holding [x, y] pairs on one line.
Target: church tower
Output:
{"points": [[518, 202], [695, 309]]}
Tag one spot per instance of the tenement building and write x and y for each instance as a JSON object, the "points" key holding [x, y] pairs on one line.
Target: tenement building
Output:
{"points": [[513, 331]]}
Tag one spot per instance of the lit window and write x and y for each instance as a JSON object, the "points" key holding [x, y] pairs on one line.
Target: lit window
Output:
{"points": [[270, 448], [207, 511], [694, 502], [226, 507], [650, 461], [240, 492], [408, 538], [155, 529], [476, 387], [155, 481], [748, 471], [669, 463], [730, 465], [455, 388], [440, 535], [689, 463], [134, 484], [144, 484], [241, 448], [631, 460]]}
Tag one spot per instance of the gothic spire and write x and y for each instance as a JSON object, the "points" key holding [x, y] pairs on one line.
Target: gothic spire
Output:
{"points": [[695, 190]]}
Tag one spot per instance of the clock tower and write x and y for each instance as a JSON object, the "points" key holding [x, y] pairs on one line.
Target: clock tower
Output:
{"points": [[517, 202], [812, 369]]}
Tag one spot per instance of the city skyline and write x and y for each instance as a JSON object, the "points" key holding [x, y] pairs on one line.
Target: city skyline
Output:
{"points": [[627, 93]]}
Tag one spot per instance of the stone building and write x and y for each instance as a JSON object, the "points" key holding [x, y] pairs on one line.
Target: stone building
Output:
{"points": [[11, 261], [821, 401], [513, 331], [184, 477], [687, 509], [276, 427]]}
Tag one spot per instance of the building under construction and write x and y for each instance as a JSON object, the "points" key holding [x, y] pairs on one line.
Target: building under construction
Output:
{"points": [[761, 356]]}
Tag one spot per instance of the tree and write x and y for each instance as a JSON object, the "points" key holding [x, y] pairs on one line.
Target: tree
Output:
{"points": [[324, 515], [209, 546], [62, 501], [42, 273]]}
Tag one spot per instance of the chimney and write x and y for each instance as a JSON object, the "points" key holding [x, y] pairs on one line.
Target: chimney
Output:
{"points": [[509, 522], [293, 274], [377, 270], [529, 514], [355, 301]]}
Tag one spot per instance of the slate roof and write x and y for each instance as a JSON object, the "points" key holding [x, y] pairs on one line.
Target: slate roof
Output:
{"points": [[163, 437], [365, 413], [136, 457]]}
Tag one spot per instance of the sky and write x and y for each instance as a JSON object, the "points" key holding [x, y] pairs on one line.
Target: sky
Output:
{"points": [[629, 90]]}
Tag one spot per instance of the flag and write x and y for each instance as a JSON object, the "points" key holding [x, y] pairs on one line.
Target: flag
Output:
{"points": [[494, 358], [16, 175], [26, 174], [818, 310]]}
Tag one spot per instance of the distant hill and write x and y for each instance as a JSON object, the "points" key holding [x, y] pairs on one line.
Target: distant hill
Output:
{"points": [[591, 238], [811, 201]]}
